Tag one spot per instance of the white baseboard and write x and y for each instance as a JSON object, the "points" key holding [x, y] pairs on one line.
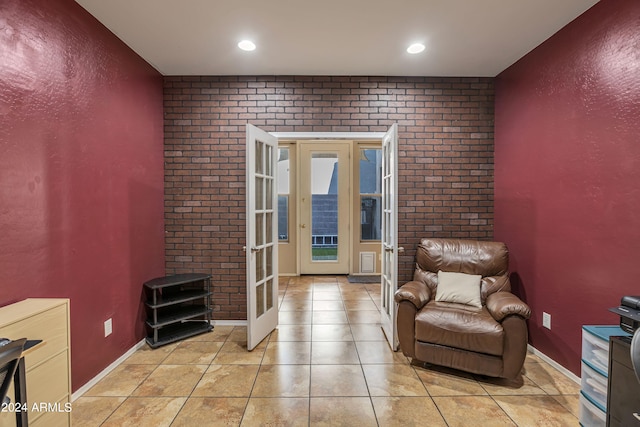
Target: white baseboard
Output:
{"points": [[229, 322], [82, 390], [555, 364]]}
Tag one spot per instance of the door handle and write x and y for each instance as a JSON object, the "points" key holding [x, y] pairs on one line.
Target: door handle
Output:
{"points": [[303, 225], [254, 249], [400, 250], [637, 415]]}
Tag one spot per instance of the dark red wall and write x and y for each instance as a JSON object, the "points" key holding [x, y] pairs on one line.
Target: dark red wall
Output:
{"points": [[567, 174], [81, 174]]}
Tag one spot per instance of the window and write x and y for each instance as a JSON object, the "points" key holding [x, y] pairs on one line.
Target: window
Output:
{"points": [[370, 193], [283, 194]]}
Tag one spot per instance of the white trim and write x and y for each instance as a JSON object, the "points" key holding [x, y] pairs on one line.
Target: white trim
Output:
{"points": [[82, 390], [555, 364], [229, 323], [329, 135]]}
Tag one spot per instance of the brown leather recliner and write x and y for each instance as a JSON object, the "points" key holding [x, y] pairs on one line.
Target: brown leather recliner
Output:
{"points": [[489, 340]]}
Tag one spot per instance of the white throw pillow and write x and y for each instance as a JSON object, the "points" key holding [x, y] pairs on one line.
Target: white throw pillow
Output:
{"points": [[459, 287]]}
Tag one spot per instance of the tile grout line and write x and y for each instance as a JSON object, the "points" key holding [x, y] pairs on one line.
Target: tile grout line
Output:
{"points": [[271, 340], [130, 395], [373, 407], [310, 353], [201, 376]]}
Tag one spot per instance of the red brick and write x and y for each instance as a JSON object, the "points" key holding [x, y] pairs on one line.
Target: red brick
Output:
{"points": [[445, 162]]}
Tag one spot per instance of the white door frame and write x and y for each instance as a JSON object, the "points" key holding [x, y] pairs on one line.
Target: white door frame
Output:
{"points": [[324, 137], [354, 136], [329, 135]]}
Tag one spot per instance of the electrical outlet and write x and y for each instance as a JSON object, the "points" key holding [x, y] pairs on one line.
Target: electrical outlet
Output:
{"points": [[108, 327], [546, 320]]}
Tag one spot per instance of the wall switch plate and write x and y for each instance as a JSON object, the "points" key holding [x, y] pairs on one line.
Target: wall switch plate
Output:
{"points": [[108, 327], [546, 320]]}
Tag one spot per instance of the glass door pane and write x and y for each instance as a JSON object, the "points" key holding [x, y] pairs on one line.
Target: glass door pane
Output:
{"points": [[324, 206], [283, 174], [370, 193]]}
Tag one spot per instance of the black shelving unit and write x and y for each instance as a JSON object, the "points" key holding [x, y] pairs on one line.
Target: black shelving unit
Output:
{"points": [[178, 307]]}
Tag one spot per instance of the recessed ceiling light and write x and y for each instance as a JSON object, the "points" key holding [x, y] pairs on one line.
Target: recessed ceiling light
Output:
{"points": [[247, 45], [415, 48]]}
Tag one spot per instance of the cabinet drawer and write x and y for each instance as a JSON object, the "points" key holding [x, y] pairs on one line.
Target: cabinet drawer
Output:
{"points": [[595, 351], [594, 385], [50, 326], [55, 416], [590, 414], [621, 353], [8, 419], [48, 382]]}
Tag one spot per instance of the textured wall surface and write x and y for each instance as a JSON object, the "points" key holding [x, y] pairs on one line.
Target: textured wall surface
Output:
{"points": [[445, 159], [81, 174], [567, 158]]}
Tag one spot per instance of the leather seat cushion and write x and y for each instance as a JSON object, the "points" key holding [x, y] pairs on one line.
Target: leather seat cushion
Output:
{"points": [[459, 326]]}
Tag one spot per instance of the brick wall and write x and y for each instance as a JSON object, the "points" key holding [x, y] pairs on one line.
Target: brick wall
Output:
{"points": [[445, 159]]}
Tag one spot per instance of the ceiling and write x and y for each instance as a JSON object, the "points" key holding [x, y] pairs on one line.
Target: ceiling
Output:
{"points": [[334, 37]]}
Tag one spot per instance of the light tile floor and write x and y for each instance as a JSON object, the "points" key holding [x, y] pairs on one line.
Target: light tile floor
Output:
{"points": [[327, 364]]}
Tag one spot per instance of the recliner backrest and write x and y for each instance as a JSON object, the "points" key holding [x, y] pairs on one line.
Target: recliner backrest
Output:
{"points": [[488, 259]]}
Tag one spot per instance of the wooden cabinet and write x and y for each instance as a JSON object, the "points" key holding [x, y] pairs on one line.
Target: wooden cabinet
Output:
{"points": [[624, 389], [48, 367], [178, 307]]}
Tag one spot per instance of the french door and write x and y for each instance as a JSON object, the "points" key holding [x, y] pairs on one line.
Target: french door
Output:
{"points": [[262, 235], [390, 249], [324, 176]]}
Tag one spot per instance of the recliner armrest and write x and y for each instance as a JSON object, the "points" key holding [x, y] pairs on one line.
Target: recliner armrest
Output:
{"points": [[416, 293], [503, 304]]}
